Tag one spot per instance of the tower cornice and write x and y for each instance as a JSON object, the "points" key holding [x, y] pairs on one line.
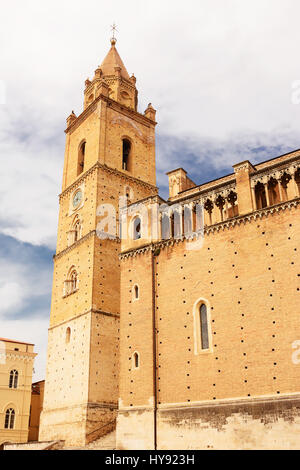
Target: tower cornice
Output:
{"points": [[114, 105], [110, 170]]}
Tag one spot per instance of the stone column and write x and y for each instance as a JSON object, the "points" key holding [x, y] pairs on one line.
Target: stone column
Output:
{"points": [[266, 192]]}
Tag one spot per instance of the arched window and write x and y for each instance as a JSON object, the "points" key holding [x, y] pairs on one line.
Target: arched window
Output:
{"points": [[71, 284], [137, 229], [73, 280], [260, 196], [125, 98], [284, 181], [220, 203], [126, 147], [13, 379], [74, 233], [68, 334], [81, 155], [204, 327], [77, 230], [136, 360], [273, 190], [232, 199], [208, 206], [297, 180], [9, 419]]}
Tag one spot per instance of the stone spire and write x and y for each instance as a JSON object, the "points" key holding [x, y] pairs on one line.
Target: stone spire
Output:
{"points": [[112, 80], [113, 62]]}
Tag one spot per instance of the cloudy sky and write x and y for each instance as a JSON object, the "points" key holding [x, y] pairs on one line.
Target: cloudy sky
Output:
{"points": [[222, 75]]}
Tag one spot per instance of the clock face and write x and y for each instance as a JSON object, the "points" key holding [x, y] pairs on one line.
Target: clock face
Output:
{"points": [[77, 198]]}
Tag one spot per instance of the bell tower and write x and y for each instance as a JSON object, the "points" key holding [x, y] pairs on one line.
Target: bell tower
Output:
{"points": [[109, 158]]}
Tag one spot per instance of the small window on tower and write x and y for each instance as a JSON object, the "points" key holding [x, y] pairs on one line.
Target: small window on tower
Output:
{"points": [[126, 155], [137, 228], [68, 334], [136, 292], [81, 155], [136, 360]]}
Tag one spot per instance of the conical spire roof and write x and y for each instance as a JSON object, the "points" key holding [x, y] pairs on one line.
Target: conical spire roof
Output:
{"points": [[113, 60]]}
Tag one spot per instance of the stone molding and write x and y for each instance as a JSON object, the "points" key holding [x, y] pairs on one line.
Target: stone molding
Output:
{"points": [[83, 406], [81, 240], [17, 356], [91, 310], [114, 171], [239, 401], [112, 104]]}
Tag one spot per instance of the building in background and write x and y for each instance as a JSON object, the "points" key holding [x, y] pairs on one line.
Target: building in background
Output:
{"points": [[36, 406], [16, 368]]}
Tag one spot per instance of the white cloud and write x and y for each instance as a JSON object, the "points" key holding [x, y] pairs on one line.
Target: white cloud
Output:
{"points": [[21, 283], [11, 295], [25, 286]]}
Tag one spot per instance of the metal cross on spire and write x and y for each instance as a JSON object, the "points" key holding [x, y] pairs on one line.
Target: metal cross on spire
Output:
{"points": [[114, 29]]}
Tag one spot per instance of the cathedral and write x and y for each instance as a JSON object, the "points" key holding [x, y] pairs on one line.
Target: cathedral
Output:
{"points": [[174, 323]]}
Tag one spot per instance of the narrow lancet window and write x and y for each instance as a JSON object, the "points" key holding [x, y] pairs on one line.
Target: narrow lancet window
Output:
{"points": [[81, 155], [136, 360], [137, 229], [68, 334], [136, 292], [126, 154], [204, 327]]}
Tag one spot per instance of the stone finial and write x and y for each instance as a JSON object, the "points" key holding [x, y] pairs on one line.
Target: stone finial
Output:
{"points": [[98, 72], [87, 82], [150, 112], [71, 118], [133, 79]]}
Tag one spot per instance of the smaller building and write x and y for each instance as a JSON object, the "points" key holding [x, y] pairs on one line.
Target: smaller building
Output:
{"points": [[36, 406], [16, 367]]}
